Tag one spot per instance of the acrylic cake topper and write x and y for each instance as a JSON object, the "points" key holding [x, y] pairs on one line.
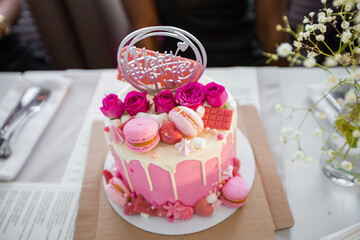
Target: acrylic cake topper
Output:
{"points": [[153, 71]]}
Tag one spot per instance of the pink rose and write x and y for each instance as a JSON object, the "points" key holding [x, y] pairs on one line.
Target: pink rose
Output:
{"points": [[112, 107], [164, 101], [191, 95], [215, 94], [136, 102]]}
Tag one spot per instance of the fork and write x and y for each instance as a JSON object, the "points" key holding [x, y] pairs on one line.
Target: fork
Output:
{"points": [[22, 114]]}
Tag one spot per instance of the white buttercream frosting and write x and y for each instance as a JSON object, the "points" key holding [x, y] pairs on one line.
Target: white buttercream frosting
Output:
{"points": [[198, 142]]}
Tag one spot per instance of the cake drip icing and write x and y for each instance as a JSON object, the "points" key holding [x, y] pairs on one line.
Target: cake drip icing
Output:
{"points": [[171, 164]]}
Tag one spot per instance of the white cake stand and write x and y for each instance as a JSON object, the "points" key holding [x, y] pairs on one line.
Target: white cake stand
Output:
{"points": [[197, 223]]}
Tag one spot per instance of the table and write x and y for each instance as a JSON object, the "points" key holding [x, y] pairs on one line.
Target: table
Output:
{"points": [[319, 206]]}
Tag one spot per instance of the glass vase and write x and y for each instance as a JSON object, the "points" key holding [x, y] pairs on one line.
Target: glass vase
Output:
{"points": [[340, 159]]}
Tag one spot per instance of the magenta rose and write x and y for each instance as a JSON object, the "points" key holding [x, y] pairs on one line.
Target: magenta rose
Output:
{"points": [[112, 107], [136, 102], [164, 101], [215, 94], [191, 95]]}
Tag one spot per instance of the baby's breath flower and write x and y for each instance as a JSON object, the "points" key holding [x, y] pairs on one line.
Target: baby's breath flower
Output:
{"points": [[345, 25], [320, 115], [357, 51], [338, 57], [279, 108], [348, 8], [356, 133], [347, 165], [309, 62], [306, 34], [311, 14], [355, 75], [321, 14], [346, 36], [338, 3], [329, 11], [308, 159], [322, 27], [357, 181], [351, 97], [320, 38], [311, 54], [329, 19], [287, 131], [322, 19], [330, 62], [298, 135], [309, 27], [299, 155], [318, 132], [297, 44], [283, 140], [357, 17], [284, 49], [356, 27], [340, 101], [331, 153], [306, 20], [278, 27], [331, 80], [334, 136], [358, 6]]}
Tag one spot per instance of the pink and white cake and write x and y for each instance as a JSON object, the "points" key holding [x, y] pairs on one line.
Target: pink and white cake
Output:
{"points": [[174, 151]]}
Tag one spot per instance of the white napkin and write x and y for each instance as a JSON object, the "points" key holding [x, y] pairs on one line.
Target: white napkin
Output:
{"points": [[25, 139]]}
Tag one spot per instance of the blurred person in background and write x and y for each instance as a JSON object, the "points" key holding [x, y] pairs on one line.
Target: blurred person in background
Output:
{"points": [[233, 32], [17, 54]]}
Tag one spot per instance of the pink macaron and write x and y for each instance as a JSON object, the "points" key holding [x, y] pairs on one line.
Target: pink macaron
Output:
{"points": [[186, 120], [141, 134], [235, 192]]}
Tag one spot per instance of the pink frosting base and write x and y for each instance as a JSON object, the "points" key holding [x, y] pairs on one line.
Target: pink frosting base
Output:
{"points": [[188, 178]]}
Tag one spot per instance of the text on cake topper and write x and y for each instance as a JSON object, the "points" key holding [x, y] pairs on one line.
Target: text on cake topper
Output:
{"points": [[153, 71]]}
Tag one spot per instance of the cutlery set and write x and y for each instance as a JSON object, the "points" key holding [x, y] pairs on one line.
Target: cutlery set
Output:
{"points": [[30, 102]]}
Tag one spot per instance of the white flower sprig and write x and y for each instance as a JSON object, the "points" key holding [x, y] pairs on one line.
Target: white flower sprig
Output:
{"points": [[312, 39], [308, 45]]}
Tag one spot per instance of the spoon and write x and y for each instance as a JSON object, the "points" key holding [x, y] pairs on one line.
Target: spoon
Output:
{"points": [[29, 103]]}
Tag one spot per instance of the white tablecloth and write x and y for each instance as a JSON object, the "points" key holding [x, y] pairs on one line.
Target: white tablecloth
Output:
{"points": [[319, 206]]}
